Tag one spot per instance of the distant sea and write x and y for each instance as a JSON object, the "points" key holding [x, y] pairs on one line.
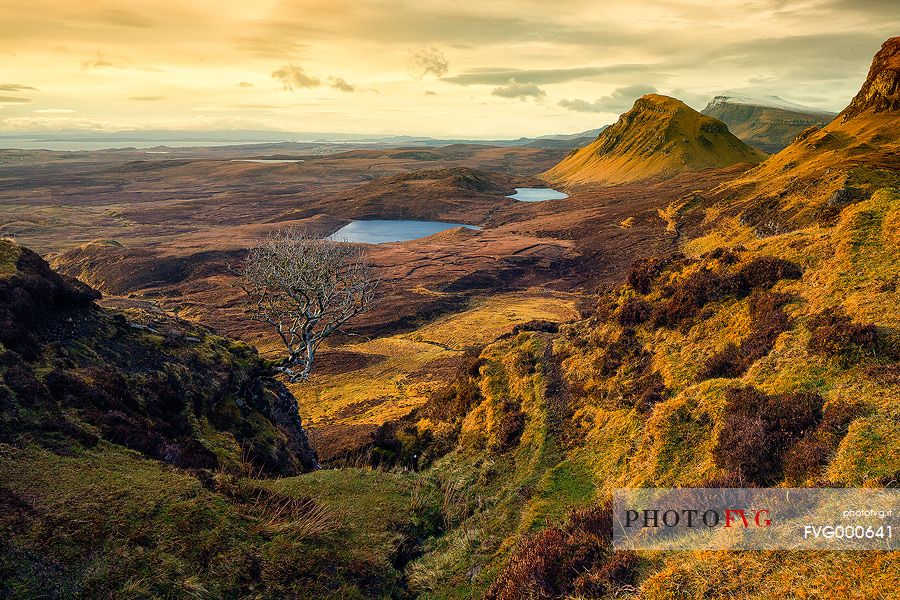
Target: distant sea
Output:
{"points": [[31, 144]]}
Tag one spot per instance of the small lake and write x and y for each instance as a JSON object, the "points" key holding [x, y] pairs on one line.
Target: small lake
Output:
{"points": [[537, 194], [383, 231]]}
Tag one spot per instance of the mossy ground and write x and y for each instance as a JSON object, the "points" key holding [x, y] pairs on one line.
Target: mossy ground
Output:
{"points": [[109, 523], [604, 443]]}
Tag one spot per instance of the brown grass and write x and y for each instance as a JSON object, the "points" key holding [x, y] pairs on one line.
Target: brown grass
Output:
{"points": [[759, 429], [558, 562]]}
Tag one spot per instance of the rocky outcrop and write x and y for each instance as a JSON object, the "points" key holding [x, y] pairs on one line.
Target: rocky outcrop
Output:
{"points": [[73, 374], [881, 90]]}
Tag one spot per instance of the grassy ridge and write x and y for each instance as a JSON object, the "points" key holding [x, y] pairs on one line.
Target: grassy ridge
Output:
{"points": [[628, 398]]}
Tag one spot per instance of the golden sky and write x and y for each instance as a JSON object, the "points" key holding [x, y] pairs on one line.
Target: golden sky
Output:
{"points": [[486, 69]]}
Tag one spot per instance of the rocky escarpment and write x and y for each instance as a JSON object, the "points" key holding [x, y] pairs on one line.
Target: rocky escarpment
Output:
{"points": [[767, 123], [881, 90], [76, 375]]}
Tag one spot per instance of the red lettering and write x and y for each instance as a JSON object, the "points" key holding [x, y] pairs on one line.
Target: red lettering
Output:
{"points": [[731, 513]]}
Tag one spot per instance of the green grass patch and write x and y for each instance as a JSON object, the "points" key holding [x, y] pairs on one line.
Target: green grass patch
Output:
{"points": [[9, 257], [109, 523]]}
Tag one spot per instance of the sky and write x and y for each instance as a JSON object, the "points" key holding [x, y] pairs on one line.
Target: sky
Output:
{"points": [[482, 70]]}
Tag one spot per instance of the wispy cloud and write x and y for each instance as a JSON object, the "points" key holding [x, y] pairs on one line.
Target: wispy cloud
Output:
{"points": [[269, 46], [294, 77], [15, 87], [496, 76], [54, 111], [427, 61], [13, 99], [101, 62], [126, 18], [339, 83]]}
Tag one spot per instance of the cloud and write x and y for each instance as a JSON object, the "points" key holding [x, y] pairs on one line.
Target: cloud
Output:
{"points": [[431, 23], [618, 102], [799, 57], [147, 98], [430, 93], [292, 76], [497, 76], [797, 49], [245, 84], [429, 60], [101, 62], [268, 46], [53, 111], [340, 84], [125, 18], [12, 99], [522, 91], [692, 98], [15, 87]]}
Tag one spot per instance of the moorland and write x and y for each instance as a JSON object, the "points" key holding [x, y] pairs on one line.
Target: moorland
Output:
{"points": [[695, 313]]}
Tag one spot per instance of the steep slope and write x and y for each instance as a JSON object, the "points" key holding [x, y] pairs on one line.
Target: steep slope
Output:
{"points": [[77, 374], [768, 123], [145, 457], [659, 137], [825, 169], [640, 394], [748, 359]]}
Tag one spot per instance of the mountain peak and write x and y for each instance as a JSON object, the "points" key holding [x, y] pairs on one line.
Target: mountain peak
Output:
{"points": [[881, 90], [659, 137], [650, 100]]}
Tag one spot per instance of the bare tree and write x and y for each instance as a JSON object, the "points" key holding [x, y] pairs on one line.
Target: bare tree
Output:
{"points": [[306, 288]]}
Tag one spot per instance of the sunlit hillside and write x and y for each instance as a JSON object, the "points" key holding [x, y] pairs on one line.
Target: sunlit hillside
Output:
{"points": [[659, 136], [323, 300]]}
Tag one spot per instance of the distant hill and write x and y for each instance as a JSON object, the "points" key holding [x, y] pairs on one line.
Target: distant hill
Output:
{"points": [[458, 194], [565, 141], [590, 133], [660, 136], [286, 140], [766, 122]]}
